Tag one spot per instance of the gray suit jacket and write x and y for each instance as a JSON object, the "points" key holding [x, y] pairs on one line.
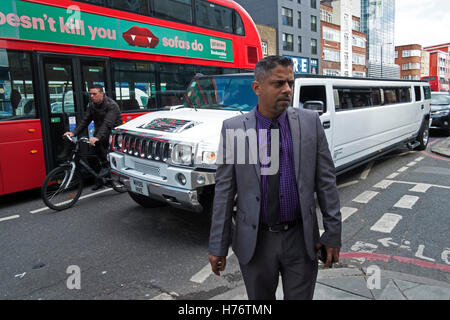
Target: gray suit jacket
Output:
{"points": [[314, 171]]}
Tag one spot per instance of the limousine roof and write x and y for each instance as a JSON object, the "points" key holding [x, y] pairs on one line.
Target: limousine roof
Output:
{"points": [[316, 76]]}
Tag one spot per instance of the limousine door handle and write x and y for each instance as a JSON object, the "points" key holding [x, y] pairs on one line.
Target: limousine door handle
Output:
{"points": [[326, 124]]}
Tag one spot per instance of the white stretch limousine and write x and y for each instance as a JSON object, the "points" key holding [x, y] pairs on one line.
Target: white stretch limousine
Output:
{"points": [[170, 156], [364, 118]]}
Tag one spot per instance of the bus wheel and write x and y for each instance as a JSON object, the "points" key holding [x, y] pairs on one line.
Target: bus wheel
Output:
{"points": [[423, 136], [144, 201]]}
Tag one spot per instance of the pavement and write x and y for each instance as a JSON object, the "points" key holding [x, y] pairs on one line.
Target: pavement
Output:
{"points": [[354, 283], [442, 147], [362, 284]]}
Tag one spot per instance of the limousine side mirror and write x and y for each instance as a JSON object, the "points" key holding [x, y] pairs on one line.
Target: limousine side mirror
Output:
{"points": [[315, 105]]}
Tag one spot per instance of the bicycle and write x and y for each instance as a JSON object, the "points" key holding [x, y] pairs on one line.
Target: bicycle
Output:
{"points": [[63, 185]]}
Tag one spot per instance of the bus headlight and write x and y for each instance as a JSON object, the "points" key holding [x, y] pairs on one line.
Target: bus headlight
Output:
{"points": [[182, 154]]}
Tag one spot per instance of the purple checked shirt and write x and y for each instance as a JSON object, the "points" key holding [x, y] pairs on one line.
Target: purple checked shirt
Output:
{"points": [[289, 201]]}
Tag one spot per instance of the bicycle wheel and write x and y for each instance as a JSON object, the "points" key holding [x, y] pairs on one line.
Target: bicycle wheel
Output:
{"points": [[57, 192]]}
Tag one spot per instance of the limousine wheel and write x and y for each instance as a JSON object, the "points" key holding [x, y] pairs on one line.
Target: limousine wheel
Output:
{"points": [[423, 136], [144, 201]]}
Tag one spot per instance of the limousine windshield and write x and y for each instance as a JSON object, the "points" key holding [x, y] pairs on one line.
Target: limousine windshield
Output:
{"points": [[221, 92]]}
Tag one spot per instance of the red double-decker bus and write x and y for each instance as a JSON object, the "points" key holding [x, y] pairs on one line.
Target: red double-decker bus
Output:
{"points": [[438, 84], [143, 52]]}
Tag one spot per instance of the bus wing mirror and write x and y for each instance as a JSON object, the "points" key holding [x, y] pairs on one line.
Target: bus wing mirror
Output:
{"points": [[314, 105]]}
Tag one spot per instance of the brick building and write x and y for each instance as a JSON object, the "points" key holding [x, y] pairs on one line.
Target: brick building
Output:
{"points": [[342, 42], [409, 58]]}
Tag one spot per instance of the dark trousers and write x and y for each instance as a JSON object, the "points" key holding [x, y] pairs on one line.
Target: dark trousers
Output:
{"points": [[280, 253], [101, 151]]}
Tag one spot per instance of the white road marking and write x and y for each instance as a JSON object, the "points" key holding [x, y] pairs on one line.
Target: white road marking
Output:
{"points": [[386, 242], [402, 169], [406, 202], [166, 296], [383, 184], [347, 184], [419, 253], [206, 271], [365, 197], [416, 183], [347, 212], [386, 223], [366, 172], [9, 218], [421, 187], [361, 246], [83, 197], [419, 159], [413, 163], [392, 176]]}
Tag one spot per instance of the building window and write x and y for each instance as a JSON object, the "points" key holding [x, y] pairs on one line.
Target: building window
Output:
{"points": [[396, 54], [325, 16], [331, 72], [314, 46], [359, 74], [411, 66], [288, 42], [358, 42], [359, 59], [299, 20], [356, 25], [314, 4], [411, 53], [286, 16], [299, 44], [331, 55], [313, 23], [331, 34]]}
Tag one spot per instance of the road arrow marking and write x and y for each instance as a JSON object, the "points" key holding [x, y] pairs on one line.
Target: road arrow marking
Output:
{"points": [[386, 242]]}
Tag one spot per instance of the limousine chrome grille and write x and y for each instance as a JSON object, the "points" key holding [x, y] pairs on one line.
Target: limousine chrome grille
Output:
{"points": [[142, 147]]}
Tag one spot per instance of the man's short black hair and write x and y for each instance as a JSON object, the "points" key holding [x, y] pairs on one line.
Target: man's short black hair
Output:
{"points": [[267, 64], [96, 86]]}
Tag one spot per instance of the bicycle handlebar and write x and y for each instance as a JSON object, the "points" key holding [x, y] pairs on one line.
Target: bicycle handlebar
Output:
{"points": [[82, 139]]}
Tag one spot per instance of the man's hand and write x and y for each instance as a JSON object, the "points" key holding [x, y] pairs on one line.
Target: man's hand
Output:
{"points": [[332, 254], [68, 133], [217, 263], [93, 140]]}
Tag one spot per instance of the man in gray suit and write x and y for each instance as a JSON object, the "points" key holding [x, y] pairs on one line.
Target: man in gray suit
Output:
{"points": [[275, 230]]}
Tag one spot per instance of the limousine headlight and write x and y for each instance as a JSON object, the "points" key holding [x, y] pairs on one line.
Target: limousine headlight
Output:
{"points": [[182, 154], [118, 141], [209, 157]]}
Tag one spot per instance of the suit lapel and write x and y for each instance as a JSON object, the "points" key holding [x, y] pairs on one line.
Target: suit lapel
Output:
{"points": [[250, 123], [294, 125]]}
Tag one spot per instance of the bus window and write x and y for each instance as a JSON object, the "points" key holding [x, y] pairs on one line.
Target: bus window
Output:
{"points": [[418, 93], [16, 87], [317, 93]]}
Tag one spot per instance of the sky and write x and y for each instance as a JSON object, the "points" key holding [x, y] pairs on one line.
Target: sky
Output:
{"points": [[424, 22]]}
